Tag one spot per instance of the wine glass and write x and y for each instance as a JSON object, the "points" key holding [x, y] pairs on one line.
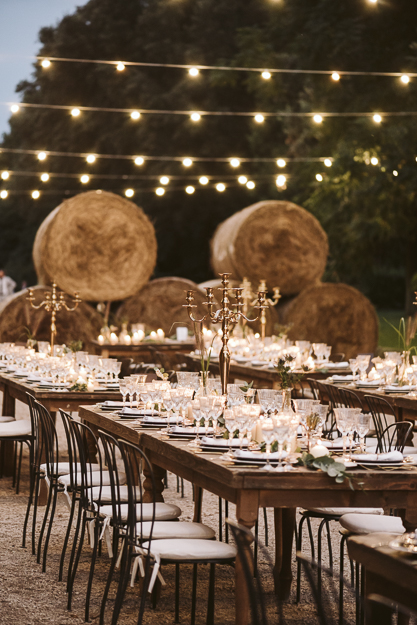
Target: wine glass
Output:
{"points": [[241, 422], [363, 361], [342, 426], [230, 425], [235, 399], [206, 403], [217, 409], [266, 397], [354, 365], [123, 386], [282, 431], [363, 423], [195, 405], [268, 433]]}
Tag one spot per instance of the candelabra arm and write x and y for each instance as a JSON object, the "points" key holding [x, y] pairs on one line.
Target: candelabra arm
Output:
{"points": [[189, 306]]}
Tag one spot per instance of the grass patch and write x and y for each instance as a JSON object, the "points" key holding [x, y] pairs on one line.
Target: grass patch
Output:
{"points": [[388, 338]]}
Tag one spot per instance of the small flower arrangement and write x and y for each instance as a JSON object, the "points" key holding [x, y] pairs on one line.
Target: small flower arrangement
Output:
{"points": [[288, 378], [325, 463]]}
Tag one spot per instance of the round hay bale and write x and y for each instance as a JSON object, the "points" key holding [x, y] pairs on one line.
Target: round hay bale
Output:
{"points": [[96, 243], [16, 314], [160, 304], [336, 314], [279, 242]]}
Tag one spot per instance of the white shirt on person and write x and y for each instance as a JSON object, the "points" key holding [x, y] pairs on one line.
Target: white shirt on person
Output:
{"points": [[7, 286]]}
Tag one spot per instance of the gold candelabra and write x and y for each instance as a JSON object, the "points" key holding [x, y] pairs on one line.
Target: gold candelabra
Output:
{"points": [[53, 303], [226, 316], [249, 301]]}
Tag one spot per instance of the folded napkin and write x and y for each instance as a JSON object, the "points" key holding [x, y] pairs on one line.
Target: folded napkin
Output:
{"points": [[189, 430], [392, 456], [395, 388], [342, 378], [112, 404], [222, 442], [243, 454], [133, 411], [337, 365], [159, 420], [369, 383], [337, 443]]}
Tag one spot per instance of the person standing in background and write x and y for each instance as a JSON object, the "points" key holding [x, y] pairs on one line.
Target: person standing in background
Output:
{"points": [[7, 285]]}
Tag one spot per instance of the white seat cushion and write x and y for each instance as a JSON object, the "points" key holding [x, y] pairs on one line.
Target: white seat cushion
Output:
{"points": [[167, 529], [370, 523], [6, 419], [64, 468], [189, 549], [93, 479], [163, 511], [21, 427], [105, 494], [342, 511]]}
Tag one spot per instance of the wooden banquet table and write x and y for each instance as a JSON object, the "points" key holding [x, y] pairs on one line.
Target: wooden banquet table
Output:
{"points": [[252, 488]]}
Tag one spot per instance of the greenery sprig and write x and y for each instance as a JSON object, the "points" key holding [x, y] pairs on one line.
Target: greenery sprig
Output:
{"points": [[332, 467], [288, 378], [161, 373], [78, 387]]}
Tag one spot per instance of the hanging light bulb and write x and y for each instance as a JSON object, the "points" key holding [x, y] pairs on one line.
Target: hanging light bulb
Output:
{"points": [[5, 175], [84, 179], [319, 177], [46, 63], [135, 115], [395, 172], [193, 71], [281, 162], [335, 76], [195, 117], [266, 75], [203, 180], [318, 119], [36, 195], [373, 1], [187, 162], [139, 160], [164, 180], [45, 177], [160, 191], [281, 181], [75, 112], [14, 108], [220, 187], [328, 162], [250, 184], [190, 190], [374, 160], [4, 194], [41, 156], [235, 162], [242, 180], [405, 79], [129, 193], [259, 118], [90, 158], [120, 67], [377, 118]]}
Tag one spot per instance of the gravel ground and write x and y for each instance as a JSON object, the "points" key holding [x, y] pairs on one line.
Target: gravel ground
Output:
{"points": [[30, 597]]}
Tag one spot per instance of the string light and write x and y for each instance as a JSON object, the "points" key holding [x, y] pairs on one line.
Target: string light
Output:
{"points": [[160, 191], [235, 162], [91, 158], [377, 118], [164, 180], [139, 160], [15, 108], [328, 162], [45, 177], [405, 79], [195, 117], [36, 195], [395, 172], [250, 184], [129, 193], [373, 1], [335, 76], [259, 118], [187, 162], [41, 156], [203, 180], [281, 181], [3, 194], [221, 187], [5, 175], [281, 162], [266, 75], [374, 160], [319, 177], [84, 179], [190, 190], [120, 67], [75, 112], [46, 63], [318, 119], [193, 71], [242, 180], [135, 115]]}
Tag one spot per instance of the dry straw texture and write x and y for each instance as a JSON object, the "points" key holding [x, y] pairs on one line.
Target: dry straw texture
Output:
{"points": [[98, 244], [160, 304], [336, 314], [279, 242], [16, 314]]}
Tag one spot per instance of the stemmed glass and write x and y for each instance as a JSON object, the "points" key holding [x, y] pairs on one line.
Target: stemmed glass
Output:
{"points": [[235, 399], [268, 433], [195, 404], [206, 404], [363, 423], [123, 386], [131, 388], [177, 399], [216, 410], [267, 398], [146, 395], [342, 426], [363, 361], [230, 425], [241, 422], [354, 365], [282, 431]]}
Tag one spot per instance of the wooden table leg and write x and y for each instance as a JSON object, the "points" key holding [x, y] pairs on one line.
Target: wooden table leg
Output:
{"points": [[284, 520], [376, 614], [247, 507], [198, 501], [159, 476], [7, 447]]}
